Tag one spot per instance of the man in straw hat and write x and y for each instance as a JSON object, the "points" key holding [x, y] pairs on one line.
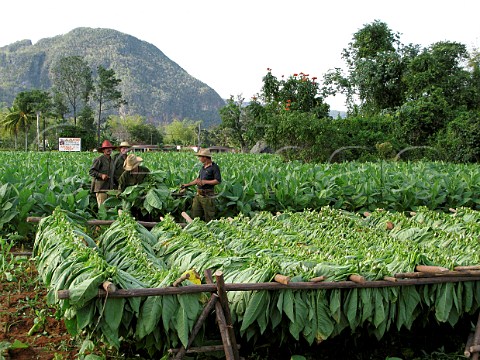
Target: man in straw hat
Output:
{"points": [[102, 172], [134, 173], [118, 160], [204, 201]]}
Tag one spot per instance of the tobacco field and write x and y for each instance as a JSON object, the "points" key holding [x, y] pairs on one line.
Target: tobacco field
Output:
{"points": [[372, 220]]}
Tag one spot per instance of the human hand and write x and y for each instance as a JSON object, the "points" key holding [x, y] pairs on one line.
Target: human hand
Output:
{"points": [[104, 177]]}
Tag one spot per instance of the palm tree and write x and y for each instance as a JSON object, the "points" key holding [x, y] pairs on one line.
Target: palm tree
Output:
{"points": [[12, 122]]}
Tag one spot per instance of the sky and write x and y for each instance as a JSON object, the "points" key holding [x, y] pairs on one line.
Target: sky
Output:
{"points": [[229, 45]]}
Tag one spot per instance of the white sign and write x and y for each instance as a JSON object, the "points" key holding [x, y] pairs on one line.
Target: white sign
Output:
{"points": [[69, 144]]}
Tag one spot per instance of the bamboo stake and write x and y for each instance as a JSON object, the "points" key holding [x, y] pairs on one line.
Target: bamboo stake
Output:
{"points": [[448, 273], [282, 279], [187, 217], [430, 269], [390, 278], [318, 279], [357, 279], [222, 324], [463, 268], [198, 325]]}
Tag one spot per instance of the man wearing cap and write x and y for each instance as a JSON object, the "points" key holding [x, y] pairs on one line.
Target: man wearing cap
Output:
{"points": [[204, 201], [119, 160], [102, 172], [134, 173]]}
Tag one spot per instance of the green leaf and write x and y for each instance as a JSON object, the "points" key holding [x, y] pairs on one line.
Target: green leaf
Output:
{"points": [[256, 305], [444, 301], [288, 304], [149, 316], [351, 308]]}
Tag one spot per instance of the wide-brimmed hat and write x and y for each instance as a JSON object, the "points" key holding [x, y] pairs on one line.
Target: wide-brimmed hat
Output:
{"points": [[204, 152], [106, 145], [124, 144], [131, 162]]}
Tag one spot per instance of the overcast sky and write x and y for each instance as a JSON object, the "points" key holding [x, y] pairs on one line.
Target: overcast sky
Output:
{"points": [[230, 44]]}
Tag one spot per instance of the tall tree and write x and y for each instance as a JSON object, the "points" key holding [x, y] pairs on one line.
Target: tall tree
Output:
{"points": [[235, 117], [22, 114], [40, 103], [12, 122], [72, 78], [375, 61], [106, 94]]}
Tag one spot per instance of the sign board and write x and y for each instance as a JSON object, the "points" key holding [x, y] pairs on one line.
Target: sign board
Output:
{"points": [[69, 144]]}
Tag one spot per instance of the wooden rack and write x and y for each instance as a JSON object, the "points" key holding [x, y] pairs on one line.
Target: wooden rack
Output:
{"points": [[218, 300]]}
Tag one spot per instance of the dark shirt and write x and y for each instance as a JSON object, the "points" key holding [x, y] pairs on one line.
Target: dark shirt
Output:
{"points": [[209, 173], [101, 165], [129, 178], [118, 161]]}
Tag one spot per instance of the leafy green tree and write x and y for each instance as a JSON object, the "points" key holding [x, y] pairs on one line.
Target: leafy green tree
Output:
{"points": [[12, 123], [239, 121], [375, 61], [26, 108], [460, 140], [288, 112], [437, 87], [298, 93], [72, 81], [183, 132], [145, 134], [106, 94], [439, 66]]}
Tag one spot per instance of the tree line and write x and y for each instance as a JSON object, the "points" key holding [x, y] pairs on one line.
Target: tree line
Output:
{"points": [[402, 100]]}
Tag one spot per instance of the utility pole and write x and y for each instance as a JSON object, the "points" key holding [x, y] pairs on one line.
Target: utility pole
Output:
{"points": [[198, 141]]}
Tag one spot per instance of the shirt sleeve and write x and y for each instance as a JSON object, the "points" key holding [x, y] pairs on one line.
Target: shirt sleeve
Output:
{"points": [[216, 173]]}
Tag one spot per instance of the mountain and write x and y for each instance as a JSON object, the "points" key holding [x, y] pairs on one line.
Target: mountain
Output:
{"points": [[153, 85]]}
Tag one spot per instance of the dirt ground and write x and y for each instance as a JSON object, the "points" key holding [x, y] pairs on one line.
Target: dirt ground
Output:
{"points": [[22, 305]]}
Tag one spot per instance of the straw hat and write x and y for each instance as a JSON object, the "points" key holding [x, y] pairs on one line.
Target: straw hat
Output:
{"points": [[124, 144], [131, 162], [106, 145], [204, 152]]}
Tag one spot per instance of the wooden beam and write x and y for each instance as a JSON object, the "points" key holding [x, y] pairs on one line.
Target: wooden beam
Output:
{"points": [[270, 286]]}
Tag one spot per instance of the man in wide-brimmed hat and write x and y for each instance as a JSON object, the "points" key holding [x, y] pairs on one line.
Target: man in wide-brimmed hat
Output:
{"points": [[134, 173], [118, 160], [204, 201], [102, 172]]}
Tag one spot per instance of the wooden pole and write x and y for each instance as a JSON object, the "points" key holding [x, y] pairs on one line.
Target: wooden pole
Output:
{"points": [[194, 289], [186, 217], [282, 279], [198, 325], [357, 279], [469, 343], [448, 273], [222, 324], [476, 340], [430, 269], [222, 294]]}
